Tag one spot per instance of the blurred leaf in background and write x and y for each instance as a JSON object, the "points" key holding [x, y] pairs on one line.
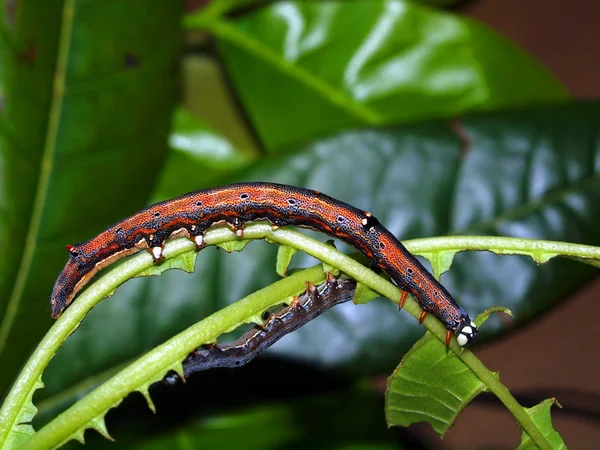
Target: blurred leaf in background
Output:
{"points": [[86, 112]]}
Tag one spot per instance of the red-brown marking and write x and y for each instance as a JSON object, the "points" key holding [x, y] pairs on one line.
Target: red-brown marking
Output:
{"points": [[238, 204]]}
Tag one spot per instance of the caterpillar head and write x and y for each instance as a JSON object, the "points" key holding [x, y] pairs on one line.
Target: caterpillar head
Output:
{"points": [[466, 332]]}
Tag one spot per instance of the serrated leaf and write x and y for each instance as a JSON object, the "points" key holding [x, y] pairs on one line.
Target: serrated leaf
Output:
{"points": [[144, 390], [440, 261], [23, 428], [482, 318], [99, 424], [284, 258], [234, 246], [431, 385], [540, 414], [155, 365], [185, 262], [363, 294]]}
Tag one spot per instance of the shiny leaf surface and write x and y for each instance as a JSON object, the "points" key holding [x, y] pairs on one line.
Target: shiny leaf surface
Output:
{"points": [[85, 118], [325, 65], [430, 385]]}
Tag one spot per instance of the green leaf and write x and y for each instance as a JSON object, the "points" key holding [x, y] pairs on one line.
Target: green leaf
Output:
{"points": [[185, 262], [363, 294], [431, 385], [235, 246], [196, 148], [322, 66], [418, 181], [540, 414], [86, 111], [23, 429], [284, 258]]}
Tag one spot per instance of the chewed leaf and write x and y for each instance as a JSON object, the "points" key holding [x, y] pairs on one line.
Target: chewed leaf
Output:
{"points": [[234, 246], [99, 424], [144, 390], [540, 414], [23, 429], [363, 294], [284, 257], [440, 261], [485, 315], [185, 261], [430, 385]]}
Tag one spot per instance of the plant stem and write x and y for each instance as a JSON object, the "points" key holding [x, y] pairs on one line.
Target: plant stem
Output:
{"points": [[154, 364], [540, 251]]}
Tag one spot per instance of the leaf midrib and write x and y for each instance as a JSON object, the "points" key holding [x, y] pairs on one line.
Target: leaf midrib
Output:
{"points": [[58, 86]]}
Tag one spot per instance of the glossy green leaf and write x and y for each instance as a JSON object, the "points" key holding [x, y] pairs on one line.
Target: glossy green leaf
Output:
{"points": [[430, 385], [326, 65], [419, 181], [196, 149], [541, 416], [86, 111]]}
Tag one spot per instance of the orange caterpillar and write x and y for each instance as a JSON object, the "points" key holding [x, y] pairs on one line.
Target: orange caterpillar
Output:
{"points": [[237, 204]]}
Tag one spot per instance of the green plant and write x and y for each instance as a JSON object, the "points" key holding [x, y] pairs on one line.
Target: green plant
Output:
{"points": [[423, 175]]}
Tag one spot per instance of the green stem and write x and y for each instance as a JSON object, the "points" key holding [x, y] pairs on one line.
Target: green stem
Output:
{"points": [[511, 403], [539, 251], [154, 364]]}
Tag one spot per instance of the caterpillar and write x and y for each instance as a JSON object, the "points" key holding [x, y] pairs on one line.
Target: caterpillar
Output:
{"points": [[237, 204], [310, 304]]}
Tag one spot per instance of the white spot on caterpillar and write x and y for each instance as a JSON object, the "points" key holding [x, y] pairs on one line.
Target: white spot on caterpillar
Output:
{"points": [[462, 340], [141, 243], [239, 232], [368, 214], [274, 227], [157, 252], [364, 221], [199, 240]]}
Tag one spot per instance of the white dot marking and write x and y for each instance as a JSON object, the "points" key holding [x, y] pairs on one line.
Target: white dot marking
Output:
{"points": [[199, 240], [157, 252], [462, 340]]}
